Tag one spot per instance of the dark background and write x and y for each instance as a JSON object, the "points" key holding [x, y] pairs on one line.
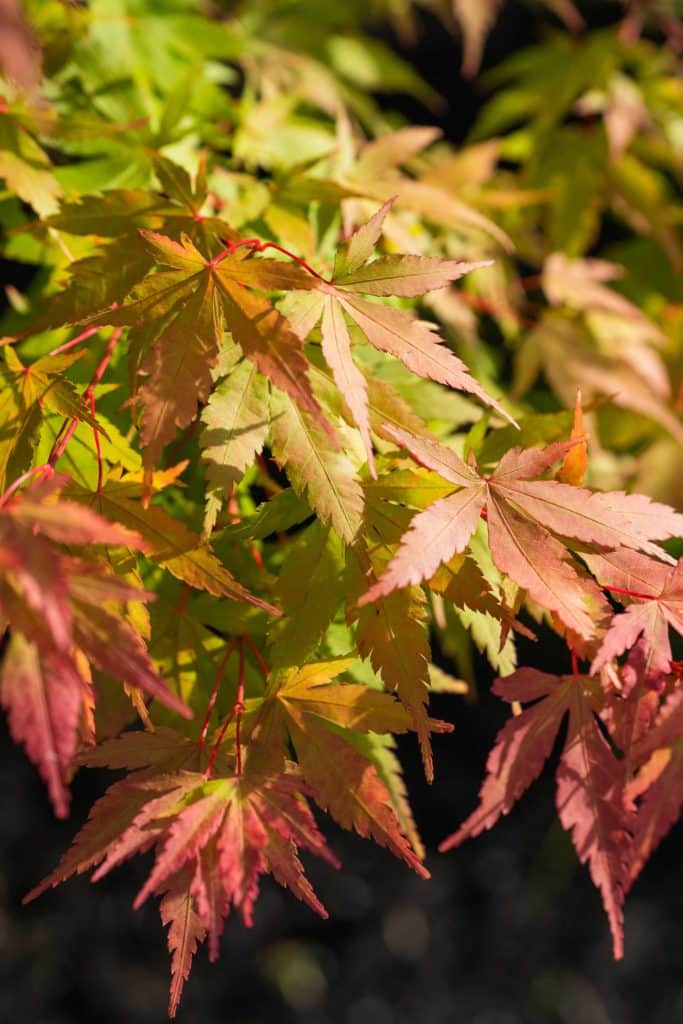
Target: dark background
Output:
{"points": [[508, 931]]}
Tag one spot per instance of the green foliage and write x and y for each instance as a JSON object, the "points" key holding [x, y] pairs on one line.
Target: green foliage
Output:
{"points": [[260, 455]]}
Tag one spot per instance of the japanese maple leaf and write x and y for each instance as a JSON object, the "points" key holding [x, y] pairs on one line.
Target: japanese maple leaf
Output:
{"points": [[655, 595], [28, 392], [393, 635], [64, 616], [521, 513], [658, 785], [113, 219], [321, 717], [167, 541], [589, 777], [415, 342], [213, 837], [178, 317], [235, 420]]}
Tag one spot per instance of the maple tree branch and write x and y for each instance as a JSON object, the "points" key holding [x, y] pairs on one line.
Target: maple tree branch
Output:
{"points": [[61, 441], [235, 516], [575, 663], [183, 599], [485, 306], [216, 686], [98, 446], [104, 361]]}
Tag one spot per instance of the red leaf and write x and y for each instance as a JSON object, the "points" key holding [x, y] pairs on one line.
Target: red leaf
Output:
{"points": [[336, 346], [435, 535], [590, 802], [661, 780], [186, 931], [520, 750], [43, 696], [416, 343], [214, 838], [590, 779], [657, 595]]}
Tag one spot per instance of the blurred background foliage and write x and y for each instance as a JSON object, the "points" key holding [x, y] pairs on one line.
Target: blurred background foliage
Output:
{"points": [[552, 143]]}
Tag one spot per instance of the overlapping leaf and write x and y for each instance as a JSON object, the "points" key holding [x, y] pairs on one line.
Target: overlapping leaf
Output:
{"points": [[64, 615], [590, 778], [321, 717], [214, 838], [177, 319], [416, 343], [167, 540], [520, 514], [655, 595]]}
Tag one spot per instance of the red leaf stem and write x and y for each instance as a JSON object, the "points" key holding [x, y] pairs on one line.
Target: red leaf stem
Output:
{"points": [[236, 711], [629, 593], [68, 345], [63, 437], [256, 245], [216, 686], [265, 671]]}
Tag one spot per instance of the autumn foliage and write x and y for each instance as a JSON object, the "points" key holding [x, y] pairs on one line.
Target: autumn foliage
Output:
{"points": [[268, 473]]}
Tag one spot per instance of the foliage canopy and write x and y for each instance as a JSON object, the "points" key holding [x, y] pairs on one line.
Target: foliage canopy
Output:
{"points": [[266, 470]]}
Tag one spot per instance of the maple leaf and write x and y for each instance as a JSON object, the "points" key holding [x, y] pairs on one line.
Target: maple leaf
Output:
{"points": [[391, 330], [319, 717], [214, 838], [520, 513], [310, 589], [575, 462], [392, 634], [316, 467], [113, 219], [580, 284], [655, 595], [236, 420], [29, 392], [658, 783], [167, 540], [186, 931], [177, 318], [633, 377], [62, 617], [24, 164], [19, 54], [376, 175], [590, 779]]}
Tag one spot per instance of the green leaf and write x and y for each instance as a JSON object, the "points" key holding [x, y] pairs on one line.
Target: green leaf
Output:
{"points": [[310, 590], [316, 468], [236, 420]]}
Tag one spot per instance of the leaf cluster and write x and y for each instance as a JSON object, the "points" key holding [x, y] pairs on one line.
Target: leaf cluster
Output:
{"points": [[303, 406]]}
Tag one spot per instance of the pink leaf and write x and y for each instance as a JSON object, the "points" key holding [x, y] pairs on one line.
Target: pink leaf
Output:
{"points": [[435, 535]]}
